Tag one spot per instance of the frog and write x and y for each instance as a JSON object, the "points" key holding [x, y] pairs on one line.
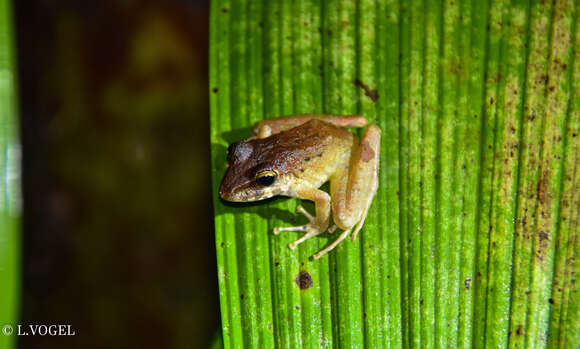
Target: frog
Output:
{"points": [[294, 156]]}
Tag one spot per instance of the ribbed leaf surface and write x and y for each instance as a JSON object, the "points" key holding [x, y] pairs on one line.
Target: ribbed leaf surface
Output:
{"points": [[473, 238]]}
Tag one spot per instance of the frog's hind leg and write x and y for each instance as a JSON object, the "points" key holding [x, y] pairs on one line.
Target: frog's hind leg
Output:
{"points": [[354, 186], [362, 221], [266, 128]]}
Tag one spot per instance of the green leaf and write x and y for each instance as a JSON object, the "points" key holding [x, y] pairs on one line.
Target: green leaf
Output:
{"points": [[10, 206], [473, 238]]}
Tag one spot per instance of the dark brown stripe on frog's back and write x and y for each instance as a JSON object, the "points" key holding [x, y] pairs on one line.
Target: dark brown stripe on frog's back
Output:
{"points": [[308, 145]]}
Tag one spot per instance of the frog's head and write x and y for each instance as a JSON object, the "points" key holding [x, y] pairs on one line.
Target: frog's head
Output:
{"points": [[251, 174]]}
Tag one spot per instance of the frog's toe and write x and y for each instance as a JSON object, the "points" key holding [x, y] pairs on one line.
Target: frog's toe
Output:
{"points": [[302, 210], [332, 229], [277, 230], [310, 227], [330, 247], [310, 232]]}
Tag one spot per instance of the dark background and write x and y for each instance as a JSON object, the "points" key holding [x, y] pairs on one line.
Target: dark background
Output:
{"points": [[117, 237]]}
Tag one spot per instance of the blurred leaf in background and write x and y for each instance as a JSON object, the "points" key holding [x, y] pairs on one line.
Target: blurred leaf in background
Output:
{"points": [[118, 235], [10, 193]]}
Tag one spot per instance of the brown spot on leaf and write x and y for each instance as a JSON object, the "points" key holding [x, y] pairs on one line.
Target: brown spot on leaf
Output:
{"points": [[520, 330], [304, 280], [372, 94], [214, 90], [543, 187]]}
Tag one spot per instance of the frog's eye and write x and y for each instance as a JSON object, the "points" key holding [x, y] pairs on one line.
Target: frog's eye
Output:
{"points": [[266, 178]]}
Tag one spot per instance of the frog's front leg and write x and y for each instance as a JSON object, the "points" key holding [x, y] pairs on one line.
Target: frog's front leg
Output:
{"points": [[266, 128], [354, 185], [319, 223]]}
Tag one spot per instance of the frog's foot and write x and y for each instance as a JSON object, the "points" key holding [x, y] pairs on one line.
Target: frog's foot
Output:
{"points": [[304, 212], [330, 247], [310, 232], [304, 227], [310, 229], [311, 219]]}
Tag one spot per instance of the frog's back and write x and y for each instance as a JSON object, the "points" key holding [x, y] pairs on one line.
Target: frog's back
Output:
{"points": [[314, 136], [308, 150]]}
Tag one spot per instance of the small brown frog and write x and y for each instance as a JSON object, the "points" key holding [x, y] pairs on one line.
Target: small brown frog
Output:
{"points": [[294, 155]]}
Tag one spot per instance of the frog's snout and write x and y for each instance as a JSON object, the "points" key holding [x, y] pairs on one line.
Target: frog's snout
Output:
{"points": [[226, 196], [230, 192], [225, 193]]}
